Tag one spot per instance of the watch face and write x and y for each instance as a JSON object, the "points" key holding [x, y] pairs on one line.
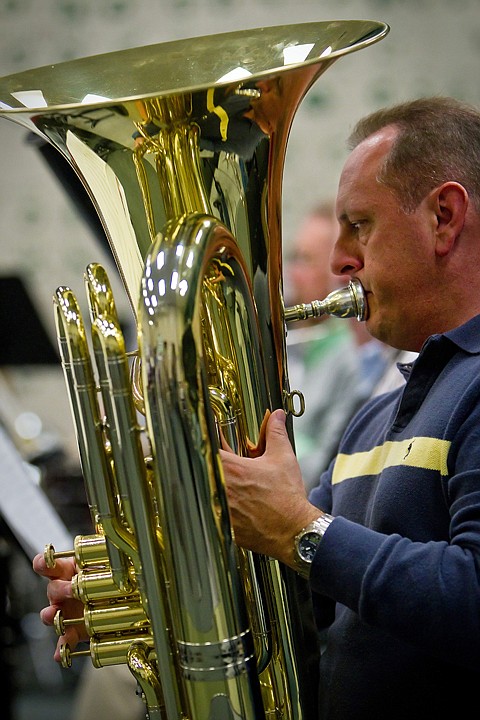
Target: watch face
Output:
{"points": [[308, 545]]}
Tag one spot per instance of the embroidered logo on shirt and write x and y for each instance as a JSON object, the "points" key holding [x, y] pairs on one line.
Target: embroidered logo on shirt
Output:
{"points": [[422, 452]]}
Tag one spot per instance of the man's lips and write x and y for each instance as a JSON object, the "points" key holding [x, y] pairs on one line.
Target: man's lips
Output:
{"points": [[367, 295]]}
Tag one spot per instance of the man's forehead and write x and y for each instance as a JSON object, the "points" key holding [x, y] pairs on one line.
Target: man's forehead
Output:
{"points": [[362, 165], [373, 148]]}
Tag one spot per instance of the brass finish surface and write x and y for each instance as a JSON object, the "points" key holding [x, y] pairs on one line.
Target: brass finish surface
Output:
{"points": [[181, 147]]}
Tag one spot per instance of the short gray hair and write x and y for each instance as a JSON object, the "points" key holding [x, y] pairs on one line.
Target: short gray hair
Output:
{"points": [[438, 141]]}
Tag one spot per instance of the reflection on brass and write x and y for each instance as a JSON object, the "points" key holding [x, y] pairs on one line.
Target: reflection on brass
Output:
{"points": [[182, 147]]}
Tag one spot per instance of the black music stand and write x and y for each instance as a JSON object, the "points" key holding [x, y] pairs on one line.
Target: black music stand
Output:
{"points": [[24, 339]]}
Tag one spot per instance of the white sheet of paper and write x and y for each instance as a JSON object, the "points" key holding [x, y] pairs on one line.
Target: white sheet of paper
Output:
{"points": [[24, 506]]}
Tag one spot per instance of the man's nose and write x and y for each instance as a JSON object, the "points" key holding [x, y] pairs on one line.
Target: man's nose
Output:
{"points": [[343, 261]]}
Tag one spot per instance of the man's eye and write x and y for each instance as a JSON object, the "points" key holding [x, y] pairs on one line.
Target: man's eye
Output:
{"points": [[356, 226]]}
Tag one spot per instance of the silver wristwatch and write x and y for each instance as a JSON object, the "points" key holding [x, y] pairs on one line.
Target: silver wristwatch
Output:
{"points": [[307, 541]]}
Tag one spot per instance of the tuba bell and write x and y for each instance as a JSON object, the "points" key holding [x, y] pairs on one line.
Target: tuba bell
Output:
{"points": [[181, 147]]}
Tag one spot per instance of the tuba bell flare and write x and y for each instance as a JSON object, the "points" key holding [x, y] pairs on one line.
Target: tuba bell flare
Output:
{"points": [[181, 147]]}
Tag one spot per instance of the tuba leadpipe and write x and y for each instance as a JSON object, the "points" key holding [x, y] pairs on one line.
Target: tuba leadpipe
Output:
{"points": [[181, 147]]}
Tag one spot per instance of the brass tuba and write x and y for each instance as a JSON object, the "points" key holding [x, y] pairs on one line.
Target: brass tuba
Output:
{"points": [[181, 147]]}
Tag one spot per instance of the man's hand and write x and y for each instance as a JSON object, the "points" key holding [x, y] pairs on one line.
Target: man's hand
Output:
{"points": [[59, 594], [266, 495], [259, 448]]}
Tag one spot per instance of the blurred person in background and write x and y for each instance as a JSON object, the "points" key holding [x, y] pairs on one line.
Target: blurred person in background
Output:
{"points": [[323, 363], [336, 365]]}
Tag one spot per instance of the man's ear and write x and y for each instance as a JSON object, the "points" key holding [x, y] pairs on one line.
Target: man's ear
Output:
{"points": [[449, 203]]}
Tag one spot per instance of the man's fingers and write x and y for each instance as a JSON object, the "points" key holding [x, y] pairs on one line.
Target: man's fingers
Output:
{"points": [[59, 591], [73, 635], [258, 449], [65, 568], [223, 443], [47, 614]]}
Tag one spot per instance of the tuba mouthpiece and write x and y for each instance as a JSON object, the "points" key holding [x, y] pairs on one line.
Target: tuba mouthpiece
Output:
{"points": [[345, 302]]}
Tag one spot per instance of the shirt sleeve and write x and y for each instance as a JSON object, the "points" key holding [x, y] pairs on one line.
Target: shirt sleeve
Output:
{"points": [[425, 593]]}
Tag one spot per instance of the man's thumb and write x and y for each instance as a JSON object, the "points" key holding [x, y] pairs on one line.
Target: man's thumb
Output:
{"points": [[276, 430]]}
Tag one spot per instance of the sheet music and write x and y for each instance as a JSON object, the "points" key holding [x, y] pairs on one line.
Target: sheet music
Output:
{"points": [[25, 507]]}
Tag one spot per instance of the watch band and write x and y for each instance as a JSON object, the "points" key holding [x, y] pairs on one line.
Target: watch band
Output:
{"points": [[307, 541]]}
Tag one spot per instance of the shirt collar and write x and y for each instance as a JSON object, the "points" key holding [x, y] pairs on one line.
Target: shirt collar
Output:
{"points": [[466, 336]]}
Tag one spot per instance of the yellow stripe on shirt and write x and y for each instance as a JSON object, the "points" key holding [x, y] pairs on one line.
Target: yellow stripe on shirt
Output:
{"points": [[421, 452]]}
